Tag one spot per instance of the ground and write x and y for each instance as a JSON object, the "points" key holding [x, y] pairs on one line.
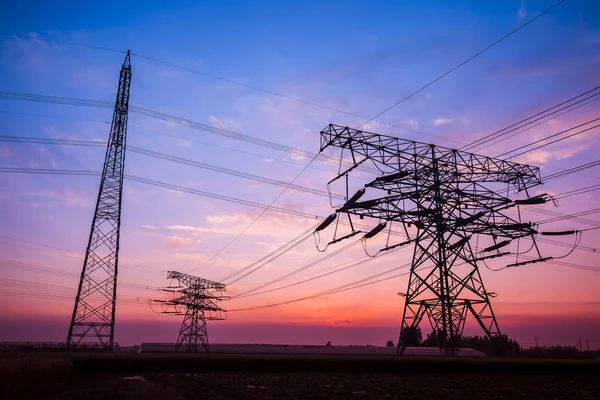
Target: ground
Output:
{"points": [[219, 377]]}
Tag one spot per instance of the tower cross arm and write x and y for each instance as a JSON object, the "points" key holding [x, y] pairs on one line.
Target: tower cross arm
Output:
{"points": [[192, 281], [396, 155]]}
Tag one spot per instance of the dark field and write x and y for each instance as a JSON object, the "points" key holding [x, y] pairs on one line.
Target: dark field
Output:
{"points": [[221, 376]]}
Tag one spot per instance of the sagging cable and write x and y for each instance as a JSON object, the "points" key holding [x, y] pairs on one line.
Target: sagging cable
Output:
{"points": [[578, 236]]}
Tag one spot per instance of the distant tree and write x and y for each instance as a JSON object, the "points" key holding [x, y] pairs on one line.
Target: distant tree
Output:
{"points": [[390, 343], [552, 352], [411, 337], [502, 345], [434, 339], [328, 344]]}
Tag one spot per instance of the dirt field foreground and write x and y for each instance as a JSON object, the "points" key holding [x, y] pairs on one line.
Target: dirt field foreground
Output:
{"points": [[221, 376]]}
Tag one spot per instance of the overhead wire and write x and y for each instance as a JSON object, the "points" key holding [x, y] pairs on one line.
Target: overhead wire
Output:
{"points": [[298, 270], [213, 76], [168, 118], [488, 139], [569, 216], [264, 210], [158, 155], [462, 63], [563, 173], [29, 267], [62, 42], [272, 256], [549, 137], [67, 253]]}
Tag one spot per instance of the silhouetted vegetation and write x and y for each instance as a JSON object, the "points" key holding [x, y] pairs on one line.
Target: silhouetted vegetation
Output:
{"points": [[411, 337], [390, 343], [502, 345], [551, 352]]}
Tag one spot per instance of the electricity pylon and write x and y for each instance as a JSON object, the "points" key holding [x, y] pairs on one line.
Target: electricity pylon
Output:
{"points": [[93, 320], [449, 196], [196, 299]]}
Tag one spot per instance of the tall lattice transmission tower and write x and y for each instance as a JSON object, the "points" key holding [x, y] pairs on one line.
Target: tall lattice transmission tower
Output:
{"points": [[93, 320], [440, 198], [196, 299]]}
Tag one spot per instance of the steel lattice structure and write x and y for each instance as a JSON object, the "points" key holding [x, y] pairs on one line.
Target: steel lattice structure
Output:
{"points": [[93, 319], [448, 196], [196, 299]]}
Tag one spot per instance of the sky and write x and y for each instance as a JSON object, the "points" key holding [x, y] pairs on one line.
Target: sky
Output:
{"points": [[281, 72]]}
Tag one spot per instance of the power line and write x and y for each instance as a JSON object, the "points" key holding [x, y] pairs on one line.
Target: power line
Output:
{"points": [[219, 197], [563, 173], [232, 172], [365, 282], [242, 201], [301, 269], [569, 216], [532, 119], [63, 42], [549, 137], [213, 76], [343, 288], [461, 64], [128, 265], [150, 153], [354, 263], [28, 267], [565, 216], [257, 217], [187, 139], [168, 118], [272, 256], [311, 103]]}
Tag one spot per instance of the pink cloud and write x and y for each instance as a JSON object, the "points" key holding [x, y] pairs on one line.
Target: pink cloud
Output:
{"points": [[176, 242]]}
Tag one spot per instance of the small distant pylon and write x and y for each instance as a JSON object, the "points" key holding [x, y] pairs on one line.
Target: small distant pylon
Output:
{"points": [[196, 299]]}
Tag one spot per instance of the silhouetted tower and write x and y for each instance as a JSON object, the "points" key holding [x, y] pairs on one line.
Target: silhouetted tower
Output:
{"points": [[196, 299], [93, 319], [449, 196]]}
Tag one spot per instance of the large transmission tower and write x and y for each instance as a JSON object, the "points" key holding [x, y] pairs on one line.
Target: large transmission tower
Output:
{"points": [[93, 319], [196, 299], [447, 196]]}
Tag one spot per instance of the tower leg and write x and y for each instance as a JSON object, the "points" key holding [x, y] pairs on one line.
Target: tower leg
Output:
{"points": [[445, 295], [193, 334]]}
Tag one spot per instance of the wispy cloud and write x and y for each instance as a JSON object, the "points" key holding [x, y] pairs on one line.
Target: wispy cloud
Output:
{"points": [[441, 121], [522, 12], [412, 123], [176, 242]]}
